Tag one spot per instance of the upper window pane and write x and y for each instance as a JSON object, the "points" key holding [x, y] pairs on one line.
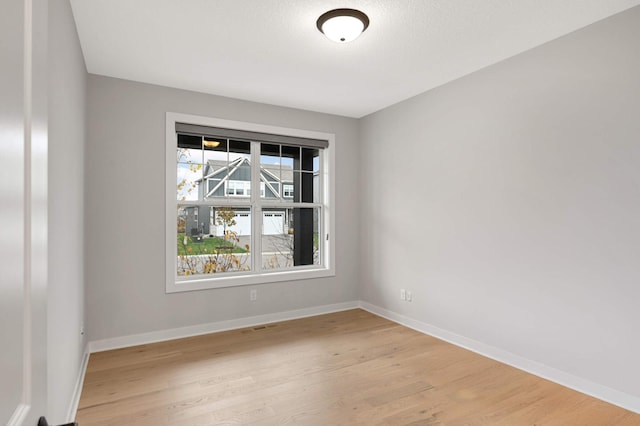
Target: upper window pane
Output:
{"points": [[289, 173], [214, 149], [290, 156], [227, 170], [270, 177], [189, 176], [305, 186], [189, 149], [308, 161]]}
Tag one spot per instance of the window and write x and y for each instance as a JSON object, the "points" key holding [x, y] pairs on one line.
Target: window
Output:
{"points": [[288, 191], [238, 188], [246, 203]]}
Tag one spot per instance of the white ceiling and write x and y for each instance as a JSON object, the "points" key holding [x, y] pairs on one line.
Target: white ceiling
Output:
{"points": [[271, 51]]}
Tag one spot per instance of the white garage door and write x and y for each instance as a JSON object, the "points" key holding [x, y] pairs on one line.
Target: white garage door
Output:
{"points": [[242, 226], [273, 223]]}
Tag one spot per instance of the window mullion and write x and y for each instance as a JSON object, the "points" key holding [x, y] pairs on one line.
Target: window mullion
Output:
{"points": [[256, 210], [323, 201], [289, 204]]}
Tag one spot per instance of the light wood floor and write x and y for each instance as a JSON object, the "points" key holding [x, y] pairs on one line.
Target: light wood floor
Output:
{"points": [[347, 368]]}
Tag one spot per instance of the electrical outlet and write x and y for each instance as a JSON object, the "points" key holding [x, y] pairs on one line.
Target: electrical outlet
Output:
{"points": [[403, 294], [409, 296], [253, 295], [82, 330]]}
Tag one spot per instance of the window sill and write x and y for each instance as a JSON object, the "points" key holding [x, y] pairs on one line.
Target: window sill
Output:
{"points": [[204, 283]]}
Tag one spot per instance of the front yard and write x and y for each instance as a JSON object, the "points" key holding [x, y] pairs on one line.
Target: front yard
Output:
{"points": [[208, 245]]}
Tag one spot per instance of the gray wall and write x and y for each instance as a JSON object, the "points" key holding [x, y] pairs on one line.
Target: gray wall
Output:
{"points": [[125, 158], [508, 202], [12, 34], [65, 307]]}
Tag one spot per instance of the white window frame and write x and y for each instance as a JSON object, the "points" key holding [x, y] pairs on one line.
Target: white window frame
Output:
{"points": [[238, 184], [287, 188], [176, 284]]}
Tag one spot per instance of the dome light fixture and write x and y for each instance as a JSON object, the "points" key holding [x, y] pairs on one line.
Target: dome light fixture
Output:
{"points": [[342, 25], [210, 143]]}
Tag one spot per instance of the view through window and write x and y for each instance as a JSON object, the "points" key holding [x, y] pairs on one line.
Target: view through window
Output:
{"points": [[247, 204]]}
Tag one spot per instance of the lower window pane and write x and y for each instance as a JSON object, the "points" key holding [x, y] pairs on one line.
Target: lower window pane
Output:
{"points": [[290, 237], [213, 240]]}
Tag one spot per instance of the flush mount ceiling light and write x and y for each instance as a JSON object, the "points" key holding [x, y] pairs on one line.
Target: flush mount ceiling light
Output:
{"points": [[210, 143], [343, 25]]}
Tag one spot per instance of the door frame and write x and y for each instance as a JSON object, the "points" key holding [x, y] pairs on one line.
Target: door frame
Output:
{"points": [[33, 401]]}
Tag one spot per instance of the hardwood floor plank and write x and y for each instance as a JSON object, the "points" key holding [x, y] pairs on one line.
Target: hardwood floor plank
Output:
{"points": [[350, 368]]}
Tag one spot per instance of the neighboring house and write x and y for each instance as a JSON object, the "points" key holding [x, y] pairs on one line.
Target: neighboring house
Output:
{"points": [[233, 180]]}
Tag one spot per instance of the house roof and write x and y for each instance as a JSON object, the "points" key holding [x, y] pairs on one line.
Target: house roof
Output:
{"points": [[280, 173]]}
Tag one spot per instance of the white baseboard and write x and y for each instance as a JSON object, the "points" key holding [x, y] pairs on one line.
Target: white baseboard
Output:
{"points": [[579, 384], [77, 390], [214, 327], [587, 387]]}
